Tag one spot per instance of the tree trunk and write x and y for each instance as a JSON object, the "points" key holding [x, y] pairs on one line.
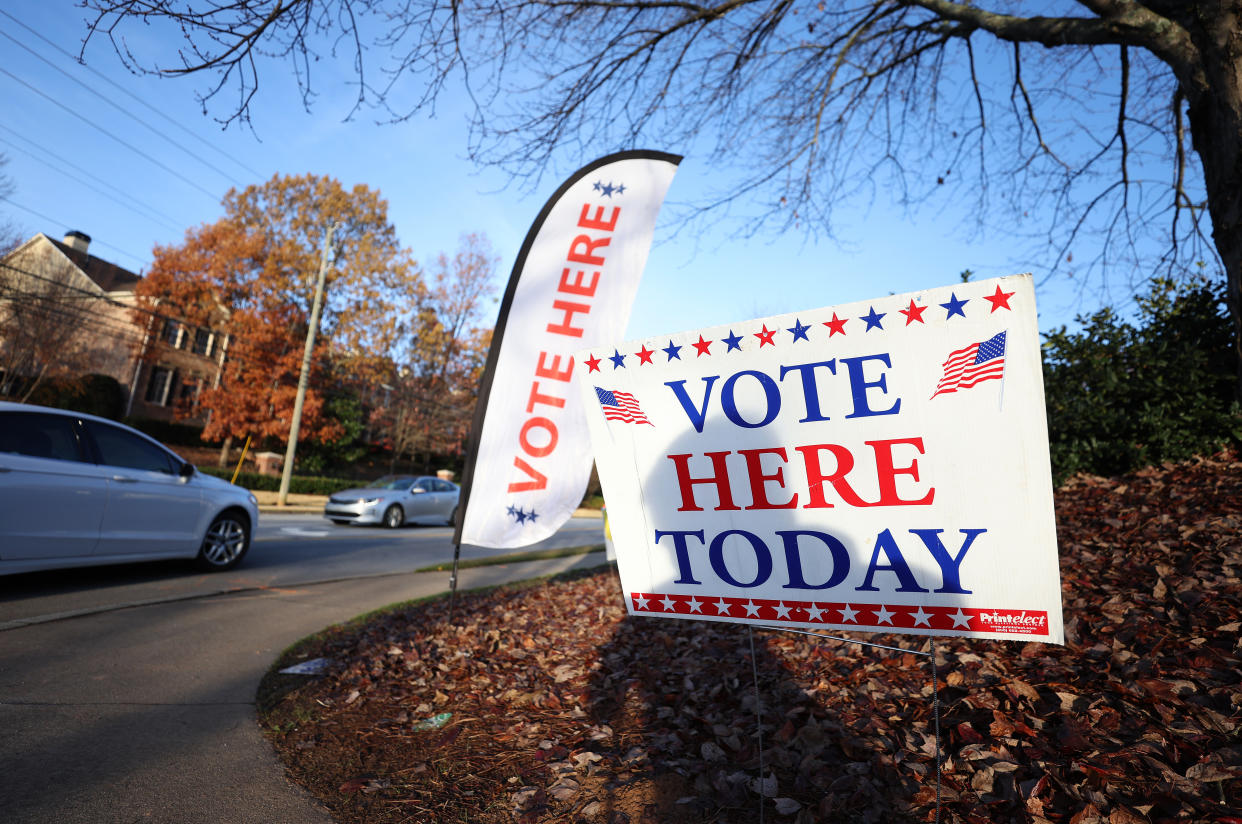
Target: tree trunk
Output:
{"points": [[1215, 113], [224, 453]]}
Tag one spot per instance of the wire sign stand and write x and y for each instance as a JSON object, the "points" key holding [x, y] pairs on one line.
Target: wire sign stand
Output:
{"points": [[759, 706]]}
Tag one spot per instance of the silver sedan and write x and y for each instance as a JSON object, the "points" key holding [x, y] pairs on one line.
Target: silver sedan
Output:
{"points": [[396, 500]]}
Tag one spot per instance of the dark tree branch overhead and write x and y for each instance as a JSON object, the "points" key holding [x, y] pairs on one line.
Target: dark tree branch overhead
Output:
{"points": [[813, 105]]}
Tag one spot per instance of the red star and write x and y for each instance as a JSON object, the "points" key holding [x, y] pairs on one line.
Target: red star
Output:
{"points": [[765, 337], [1000, 300], [644, 354], [702, 346], [592, 364], [913, 313], [836, 325]]}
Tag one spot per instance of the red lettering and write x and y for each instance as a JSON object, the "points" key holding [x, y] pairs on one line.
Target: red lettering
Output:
{"points": [[524, 437], [537, 482], [588, 257], [566, 327], [816, 478], [538, 397], [758, 481], [885, 472], [553, 371], [577, 287], [598, 221], [720, 478]]}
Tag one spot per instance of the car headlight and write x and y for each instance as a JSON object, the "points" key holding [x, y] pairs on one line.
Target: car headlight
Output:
{"points": [[253, 500], [370, 501]]}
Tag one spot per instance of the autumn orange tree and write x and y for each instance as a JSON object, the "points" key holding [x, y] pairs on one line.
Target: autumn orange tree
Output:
{"points": [[251, 276], [435, 381]]}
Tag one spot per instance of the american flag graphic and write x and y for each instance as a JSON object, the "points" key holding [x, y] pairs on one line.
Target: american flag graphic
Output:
{"points": [[979, 362], [621, 406]]}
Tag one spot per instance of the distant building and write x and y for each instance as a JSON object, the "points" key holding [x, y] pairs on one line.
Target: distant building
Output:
{"points": [[66, 312]]}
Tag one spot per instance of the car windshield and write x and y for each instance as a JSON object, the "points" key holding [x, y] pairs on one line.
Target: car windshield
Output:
{"points": [[393, 482]]}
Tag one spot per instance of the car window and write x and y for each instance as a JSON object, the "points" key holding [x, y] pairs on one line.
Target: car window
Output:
{"points": [[39, 435], [120, 448], [443, 486]]}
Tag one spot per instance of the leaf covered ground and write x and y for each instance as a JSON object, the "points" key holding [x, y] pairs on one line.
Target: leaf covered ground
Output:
{"points": [[563, 708]]}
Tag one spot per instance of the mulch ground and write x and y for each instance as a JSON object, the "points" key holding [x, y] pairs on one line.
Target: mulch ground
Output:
{"points": [[563, 708]]}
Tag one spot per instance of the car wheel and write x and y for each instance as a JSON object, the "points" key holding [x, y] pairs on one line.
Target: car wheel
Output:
{"points": [[394, 516], [225, 544]]}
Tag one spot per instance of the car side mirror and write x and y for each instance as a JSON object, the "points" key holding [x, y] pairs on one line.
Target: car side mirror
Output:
{"points": [[187, 471], [417, 489]]}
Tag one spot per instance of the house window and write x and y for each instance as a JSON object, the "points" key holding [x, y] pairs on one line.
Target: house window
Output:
{"points": [[204, 342], [173, 333], [160, 386]]}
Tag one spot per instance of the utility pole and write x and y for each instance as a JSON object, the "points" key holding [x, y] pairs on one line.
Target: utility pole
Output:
{"points": [[291, 449]]}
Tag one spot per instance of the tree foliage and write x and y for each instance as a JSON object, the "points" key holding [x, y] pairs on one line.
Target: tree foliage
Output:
{"points": [[434, 384], [1073, 123], [251, 276], [1122, 396]]}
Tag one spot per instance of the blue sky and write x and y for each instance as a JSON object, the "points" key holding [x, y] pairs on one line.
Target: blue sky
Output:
{"points": [[80, 162]]}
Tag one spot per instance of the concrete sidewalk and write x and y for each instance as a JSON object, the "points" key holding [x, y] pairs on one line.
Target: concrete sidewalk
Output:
{"points": [[146, 713]]}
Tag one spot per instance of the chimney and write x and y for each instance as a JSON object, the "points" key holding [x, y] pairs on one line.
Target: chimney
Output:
{"points": [[78, 241]]}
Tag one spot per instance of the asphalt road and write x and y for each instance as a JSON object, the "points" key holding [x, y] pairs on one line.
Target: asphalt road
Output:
{"points": [[288, 550], [127, 693]]}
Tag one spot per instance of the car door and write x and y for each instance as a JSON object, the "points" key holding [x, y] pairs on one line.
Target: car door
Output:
{"points": [[422, 500], [52, 497], [152, 510]]}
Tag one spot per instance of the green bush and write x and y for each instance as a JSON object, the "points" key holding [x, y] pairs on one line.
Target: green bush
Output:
{"points": [[100, 395], [300, 484], [1121, 396]]}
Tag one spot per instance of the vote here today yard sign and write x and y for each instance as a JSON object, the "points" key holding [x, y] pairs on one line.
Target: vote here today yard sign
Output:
{"points": [[878, 466]]}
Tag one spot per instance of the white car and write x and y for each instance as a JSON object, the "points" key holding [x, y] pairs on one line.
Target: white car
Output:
{"points": [[396, 500], [77, 490]]}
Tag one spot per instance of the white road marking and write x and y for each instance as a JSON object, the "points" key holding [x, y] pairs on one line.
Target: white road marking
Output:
{"points": [[308, 533]]}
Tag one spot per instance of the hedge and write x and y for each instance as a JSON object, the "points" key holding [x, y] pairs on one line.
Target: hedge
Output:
{"points": [[299, 484]]}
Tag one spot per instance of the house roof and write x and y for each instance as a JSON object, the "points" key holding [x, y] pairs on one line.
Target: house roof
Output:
{"points": [[108, 276]]}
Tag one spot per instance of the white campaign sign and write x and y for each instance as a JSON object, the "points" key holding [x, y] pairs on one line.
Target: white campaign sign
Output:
{"points": [[572, 286], [878, 466]]}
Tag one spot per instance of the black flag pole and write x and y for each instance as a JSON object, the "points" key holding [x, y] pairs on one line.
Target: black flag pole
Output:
{"points": [[493, 353]]}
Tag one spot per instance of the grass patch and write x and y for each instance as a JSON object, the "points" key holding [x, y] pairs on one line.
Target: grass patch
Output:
{"points": [[517, 557]]}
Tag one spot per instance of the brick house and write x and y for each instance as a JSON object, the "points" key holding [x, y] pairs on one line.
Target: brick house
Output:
{"points": [[162, 364]]}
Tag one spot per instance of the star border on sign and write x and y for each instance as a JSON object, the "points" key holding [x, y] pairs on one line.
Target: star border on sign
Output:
{"points": [[644, 355], [734, 342], [592, 363], [618, 360], [703, 346], [799, 331], [836, 325], [672, 351], [765, 336], [873, 319], [999, 299], [913, 313], [955, 306]]}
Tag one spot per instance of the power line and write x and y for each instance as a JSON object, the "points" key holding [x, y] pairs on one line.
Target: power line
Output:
{"points": [[121, 108], [101, 129], [44, 217], [153, 215], [122, 89]]}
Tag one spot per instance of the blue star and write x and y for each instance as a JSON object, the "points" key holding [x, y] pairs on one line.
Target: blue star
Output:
{"points": [[734, 342], [597, 186], [521, 517], [512, 511], [955, 306], [608, 189], [621, 188], [873, 319], [672, 351], [531, 516], [618, 360], [799, 331]]}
